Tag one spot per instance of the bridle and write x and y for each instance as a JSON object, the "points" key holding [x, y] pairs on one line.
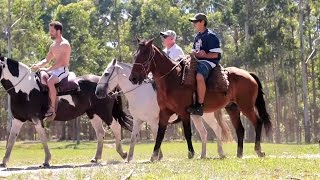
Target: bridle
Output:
{"points": [[146, 65], [119, 92]]}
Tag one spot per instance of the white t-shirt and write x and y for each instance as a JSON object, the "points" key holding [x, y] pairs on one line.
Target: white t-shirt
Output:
{"points": [[175, 52]]}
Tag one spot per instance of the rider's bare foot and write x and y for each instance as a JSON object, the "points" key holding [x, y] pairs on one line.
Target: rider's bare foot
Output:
{"points": [[49, 116]]}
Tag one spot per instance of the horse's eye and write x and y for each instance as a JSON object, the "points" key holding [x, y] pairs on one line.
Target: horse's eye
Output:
{"points": [[106, 74]]}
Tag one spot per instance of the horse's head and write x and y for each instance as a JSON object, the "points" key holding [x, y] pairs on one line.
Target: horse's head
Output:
{"points": [[143, 61], [109, 79]]}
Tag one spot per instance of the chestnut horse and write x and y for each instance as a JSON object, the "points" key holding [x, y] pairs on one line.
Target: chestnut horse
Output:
{"points": [[244, 95]]}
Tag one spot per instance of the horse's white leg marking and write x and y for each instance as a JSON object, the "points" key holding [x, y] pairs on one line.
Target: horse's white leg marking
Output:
{"points": [[14, 132], [211, 120], [43, 138], [197, 121], [135, 131], [96, 123], [116, 129]]}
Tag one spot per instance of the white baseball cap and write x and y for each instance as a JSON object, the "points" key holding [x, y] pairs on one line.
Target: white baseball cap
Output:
{"points": [[168, 33]]}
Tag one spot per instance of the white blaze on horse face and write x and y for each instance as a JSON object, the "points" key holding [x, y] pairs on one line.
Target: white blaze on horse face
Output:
{"points": [[67, 98]]}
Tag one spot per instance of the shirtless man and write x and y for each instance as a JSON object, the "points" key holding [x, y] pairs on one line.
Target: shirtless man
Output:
{"points": [[59, 51]]}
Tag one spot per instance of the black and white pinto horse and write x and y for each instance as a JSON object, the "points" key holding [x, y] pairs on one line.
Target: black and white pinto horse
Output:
{"points": [[29, 103]]}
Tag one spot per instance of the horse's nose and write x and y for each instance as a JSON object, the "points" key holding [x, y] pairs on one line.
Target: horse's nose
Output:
{"points": [[100, 94], [133, 79]]}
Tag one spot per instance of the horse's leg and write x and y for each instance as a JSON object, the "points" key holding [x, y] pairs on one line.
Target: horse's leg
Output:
{"points": [[234, 113], [135, 131], [213, 123], [154, 128], [187, 133], [197, 121], [97, 125], [163, 122], [44, 140], [14, 132], [116, 129], [252, 116]]}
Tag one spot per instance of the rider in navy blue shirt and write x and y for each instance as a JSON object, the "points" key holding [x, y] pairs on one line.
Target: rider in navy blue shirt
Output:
{"points": [[206, 48]]}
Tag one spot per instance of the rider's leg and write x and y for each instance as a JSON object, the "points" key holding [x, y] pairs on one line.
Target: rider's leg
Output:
{"points": [[52, 94], [203, 70], [201, 88]]}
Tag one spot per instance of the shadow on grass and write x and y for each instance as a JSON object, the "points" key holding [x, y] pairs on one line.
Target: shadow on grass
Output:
{"points": [[61, 167]]}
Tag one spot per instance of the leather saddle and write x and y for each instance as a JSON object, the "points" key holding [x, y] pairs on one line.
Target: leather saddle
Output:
{"points": [[66, 86], [216, 82]]}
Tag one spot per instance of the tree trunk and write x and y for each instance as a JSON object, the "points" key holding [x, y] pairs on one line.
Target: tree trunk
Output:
{"points": [[9, 118], [277, 107], [304, 77]]}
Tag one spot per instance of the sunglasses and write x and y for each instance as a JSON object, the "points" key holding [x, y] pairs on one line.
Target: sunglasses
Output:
{"points": [[164, 36]]}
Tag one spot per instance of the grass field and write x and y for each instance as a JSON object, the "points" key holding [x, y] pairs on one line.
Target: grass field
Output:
{"points": [[71, 161]]}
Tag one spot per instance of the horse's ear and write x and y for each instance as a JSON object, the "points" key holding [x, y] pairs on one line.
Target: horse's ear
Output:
{"points": [[138, 40], [149, 42], [114, 61]]}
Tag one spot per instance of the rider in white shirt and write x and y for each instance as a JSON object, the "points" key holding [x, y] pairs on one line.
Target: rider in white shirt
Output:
{"points": [[171, 48]]}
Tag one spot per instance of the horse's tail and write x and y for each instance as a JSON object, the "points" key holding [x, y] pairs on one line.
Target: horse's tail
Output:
{"points": [[261, 107], [124, 119], [226, 135]]}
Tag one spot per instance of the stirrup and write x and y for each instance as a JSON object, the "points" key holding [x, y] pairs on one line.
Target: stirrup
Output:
{"points": [[49, 114]]}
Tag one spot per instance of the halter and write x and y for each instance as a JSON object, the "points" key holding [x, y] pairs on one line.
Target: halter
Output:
{"points": [[109, 77], [119, 92], [148, 62]]}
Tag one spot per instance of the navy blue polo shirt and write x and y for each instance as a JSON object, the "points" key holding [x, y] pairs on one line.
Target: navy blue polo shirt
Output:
{"points": [[209, 42]]}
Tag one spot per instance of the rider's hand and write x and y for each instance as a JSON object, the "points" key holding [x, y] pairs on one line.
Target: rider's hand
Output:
{"points": [[35, 67], [202, 53]]}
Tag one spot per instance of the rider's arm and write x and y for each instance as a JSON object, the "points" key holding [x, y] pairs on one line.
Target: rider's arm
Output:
{"points": [[63, 57], [213, 46], [209, 55]]}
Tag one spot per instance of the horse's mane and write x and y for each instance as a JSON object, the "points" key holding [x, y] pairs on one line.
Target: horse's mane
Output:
{"points": [[20, 63], [163, 53], [143, 42]]}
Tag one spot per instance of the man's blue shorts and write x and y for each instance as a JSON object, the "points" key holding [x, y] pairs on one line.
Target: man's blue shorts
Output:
{"points": [[204, 68]]}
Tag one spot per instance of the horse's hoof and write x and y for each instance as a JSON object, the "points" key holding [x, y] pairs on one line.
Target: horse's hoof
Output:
{"points": [[45, 165], [190, 155], [3, 165], [261, 154], [128, 159], [124, 155], [153, 158], [93, 160], [222, 156], [202, 157], [160, 156]]}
